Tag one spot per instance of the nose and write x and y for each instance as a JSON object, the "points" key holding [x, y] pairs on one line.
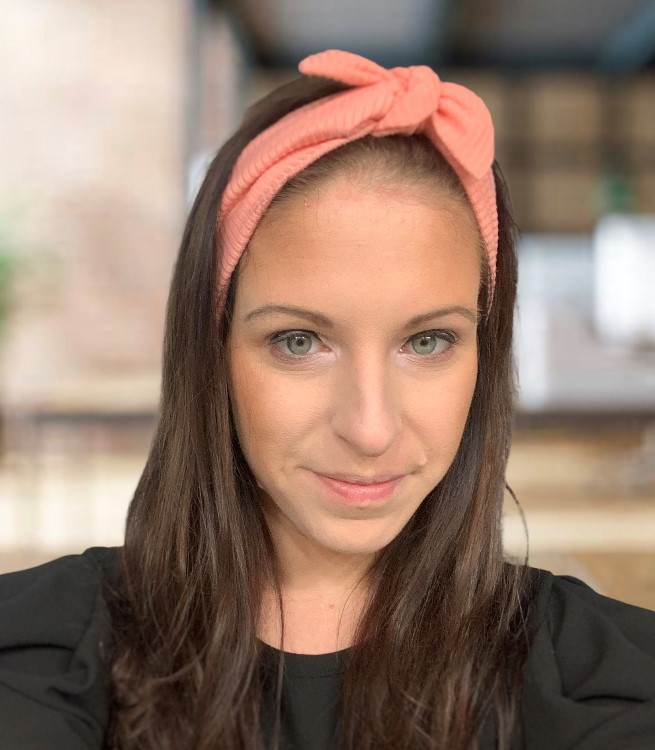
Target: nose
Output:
{"points": [[367, 409]]}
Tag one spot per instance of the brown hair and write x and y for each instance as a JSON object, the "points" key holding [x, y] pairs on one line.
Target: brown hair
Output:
{"points": [[185, 663]]}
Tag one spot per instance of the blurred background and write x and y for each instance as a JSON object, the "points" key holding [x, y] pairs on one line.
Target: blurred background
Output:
{"points": [[110, 113]]}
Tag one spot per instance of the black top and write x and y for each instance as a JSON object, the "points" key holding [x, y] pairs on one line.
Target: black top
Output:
{"points": [[590, 681]]}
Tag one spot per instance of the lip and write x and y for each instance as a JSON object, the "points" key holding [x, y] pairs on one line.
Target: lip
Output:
{"points": [[354, 479], [357, 492]]}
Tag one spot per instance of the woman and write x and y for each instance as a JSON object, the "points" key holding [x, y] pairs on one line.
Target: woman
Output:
{"points": [[313, 556]]}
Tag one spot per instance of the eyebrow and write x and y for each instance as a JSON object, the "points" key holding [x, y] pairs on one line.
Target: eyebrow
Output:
{"points": [[321, 320]]}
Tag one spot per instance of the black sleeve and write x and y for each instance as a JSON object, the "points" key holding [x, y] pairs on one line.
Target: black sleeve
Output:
{"points": [[53, 686], [591, 679]]}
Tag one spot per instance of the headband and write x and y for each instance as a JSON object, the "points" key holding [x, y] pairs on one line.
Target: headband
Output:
{"points": [[381, 102]]}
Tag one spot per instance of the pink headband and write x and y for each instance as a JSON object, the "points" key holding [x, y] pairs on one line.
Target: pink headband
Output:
{"points": [[381, 102]]}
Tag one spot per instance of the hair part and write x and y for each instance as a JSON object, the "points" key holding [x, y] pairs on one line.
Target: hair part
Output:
{"points": [[186, 666]]}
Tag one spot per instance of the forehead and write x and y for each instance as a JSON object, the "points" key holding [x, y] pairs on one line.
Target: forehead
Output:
{"points": [[342, 243]]}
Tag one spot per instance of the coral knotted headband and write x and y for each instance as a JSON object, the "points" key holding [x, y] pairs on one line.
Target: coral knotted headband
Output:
{"points": [[381, 102]]}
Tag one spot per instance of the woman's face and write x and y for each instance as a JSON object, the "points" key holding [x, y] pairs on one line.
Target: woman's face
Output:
{"points": [[348, 383]]}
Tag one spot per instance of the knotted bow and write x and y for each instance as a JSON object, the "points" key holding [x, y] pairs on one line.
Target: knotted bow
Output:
{"points": [[410, 100], [381, 102]]}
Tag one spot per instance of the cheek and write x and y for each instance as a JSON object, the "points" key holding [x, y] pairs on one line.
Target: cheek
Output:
{"points": [[250, 401], [440, 408], [269, 410]]}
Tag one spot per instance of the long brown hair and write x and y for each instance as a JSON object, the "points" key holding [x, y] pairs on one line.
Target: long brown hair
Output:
{"points": [[444, 638]]}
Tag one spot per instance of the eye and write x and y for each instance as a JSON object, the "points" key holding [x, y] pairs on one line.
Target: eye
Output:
{"points": [[427, 342], [298, 343]]}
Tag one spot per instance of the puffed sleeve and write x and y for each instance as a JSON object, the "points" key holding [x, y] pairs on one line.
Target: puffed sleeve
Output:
{"points": [[53, 685], [590, 681]]}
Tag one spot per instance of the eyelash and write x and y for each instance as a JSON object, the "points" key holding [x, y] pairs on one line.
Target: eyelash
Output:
{"points": [[448, 336]]}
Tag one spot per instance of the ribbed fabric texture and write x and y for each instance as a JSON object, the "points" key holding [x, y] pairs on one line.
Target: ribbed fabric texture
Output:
{"points": [[381, 102]]}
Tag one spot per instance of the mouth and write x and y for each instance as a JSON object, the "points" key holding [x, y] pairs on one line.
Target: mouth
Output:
{"points": [[353, 493], [355, 479]]}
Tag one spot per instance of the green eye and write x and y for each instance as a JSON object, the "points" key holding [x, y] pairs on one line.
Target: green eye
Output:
{"points": [[425, 343], [299, 343]]}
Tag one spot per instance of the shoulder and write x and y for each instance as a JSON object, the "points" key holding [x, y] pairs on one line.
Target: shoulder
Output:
{"points": [[53, 628], [89, 565], [591, 673]]}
